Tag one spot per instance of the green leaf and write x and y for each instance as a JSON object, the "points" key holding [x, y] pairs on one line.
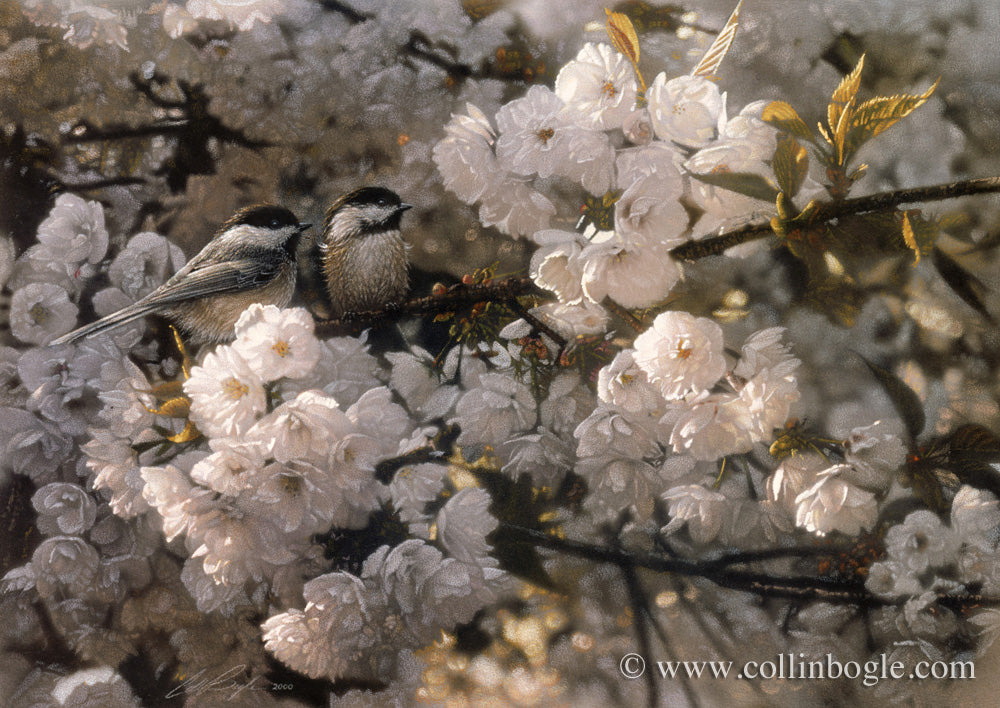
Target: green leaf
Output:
{"points": [[904, 399], [747, 183], [962, 282]]}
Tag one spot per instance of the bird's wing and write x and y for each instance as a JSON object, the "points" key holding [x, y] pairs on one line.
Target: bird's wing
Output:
{"points": [[216, 278]]}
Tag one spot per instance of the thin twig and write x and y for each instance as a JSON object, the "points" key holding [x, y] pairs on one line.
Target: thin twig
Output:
{"points": [[714, 245], [521, 310]]}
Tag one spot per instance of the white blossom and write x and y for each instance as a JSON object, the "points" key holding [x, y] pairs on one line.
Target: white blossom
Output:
{"points": [[490, 413], [241, 13], [681, 353], [831, 504], [40, 312], [463, 525], [623, 384], [98, 687], [277, 343], [63, 509], [556, 265], [64, 564], [710, 426], [700, 509], [536, 137], [922, 541], [875, 451], [599, 87], [227, 397], [632, 273], [688, 110], [573, 320]]}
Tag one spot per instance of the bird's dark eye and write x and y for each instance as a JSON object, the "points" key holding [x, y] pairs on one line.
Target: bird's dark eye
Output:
{"points": [[275, 223], [382, 202]]}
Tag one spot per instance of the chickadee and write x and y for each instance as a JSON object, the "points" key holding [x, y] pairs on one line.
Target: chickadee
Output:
{"points": [[361, 257], [250, 260]]}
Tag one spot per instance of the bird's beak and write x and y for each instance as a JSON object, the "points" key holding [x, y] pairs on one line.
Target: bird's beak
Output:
{"points": [[304, 227], [404, 206]]}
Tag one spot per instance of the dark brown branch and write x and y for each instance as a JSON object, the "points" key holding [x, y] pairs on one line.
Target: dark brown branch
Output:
{"points": [[837, 592], [456, 297], [715, 245], [519, 308]]}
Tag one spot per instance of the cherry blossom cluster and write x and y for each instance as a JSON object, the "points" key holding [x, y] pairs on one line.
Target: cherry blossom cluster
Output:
{"points": [[592, 139]]}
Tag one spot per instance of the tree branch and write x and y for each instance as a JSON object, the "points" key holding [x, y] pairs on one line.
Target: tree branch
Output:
{"points": [[715, 245], [836, 592], [457, 296]]}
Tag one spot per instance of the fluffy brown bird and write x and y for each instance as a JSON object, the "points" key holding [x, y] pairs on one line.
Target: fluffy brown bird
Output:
{"points": [[360, 255], [250, 260]]}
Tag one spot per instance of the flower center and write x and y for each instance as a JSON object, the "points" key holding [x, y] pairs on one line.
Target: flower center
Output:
{"points": [[234, 388], [544, 134], [38, 313], [609, 89], [683, 350], [281, 348], [291, 485]]}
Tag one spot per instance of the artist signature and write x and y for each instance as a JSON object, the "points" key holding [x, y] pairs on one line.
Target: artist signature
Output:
{"points": [[233, 681]]}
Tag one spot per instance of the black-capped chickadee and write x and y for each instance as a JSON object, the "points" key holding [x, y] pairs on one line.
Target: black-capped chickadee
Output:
{"points": [[360, 256], [250, 260]]}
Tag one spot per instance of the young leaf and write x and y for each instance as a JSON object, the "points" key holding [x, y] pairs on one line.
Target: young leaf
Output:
{"points": [[910, 238], [974, 441], [839, 111], [904, 399], [720, 47], [623, 36], [962, 282], [790, 164], [879, 114], [189, 433], [844, 95], [748, 183], [783, 117]]}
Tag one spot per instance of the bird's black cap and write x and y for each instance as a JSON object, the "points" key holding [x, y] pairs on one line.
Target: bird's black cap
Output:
{"points": [[262, 216], [379, 196]]}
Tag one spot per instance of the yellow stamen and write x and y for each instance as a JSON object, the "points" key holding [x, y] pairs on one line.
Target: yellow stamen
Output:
{"points": [[234, 388], [281, 348]]}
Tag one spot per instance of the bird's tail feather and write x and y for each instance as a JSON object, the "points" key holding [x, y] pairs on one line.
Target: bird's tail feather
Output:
{"points": [[123, 316]]}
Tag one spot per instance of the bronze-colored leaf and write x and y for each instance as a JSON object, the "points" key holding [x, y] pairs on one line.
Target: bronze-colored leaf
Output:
{"points": [[622, 34], [836, 298], [976, 473], [910, 238], [976, 441], [175, 408], [189, 433], [927, 488], [790, 164], [748, 183], [879, 114], [904, 399], [844, 95], [783, 117], [964, 283], [167, 390], [709, 63]]}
